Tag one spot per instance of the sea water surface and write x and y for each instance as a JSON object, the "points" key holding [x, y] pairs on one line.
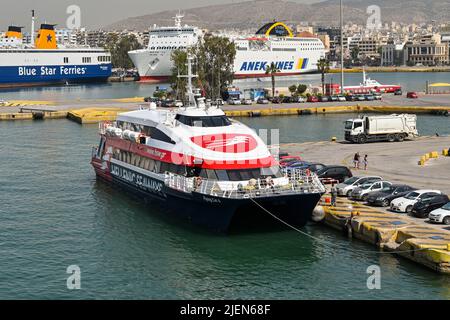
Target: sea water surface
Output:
{"points": [[410, 81], [54, 214]]}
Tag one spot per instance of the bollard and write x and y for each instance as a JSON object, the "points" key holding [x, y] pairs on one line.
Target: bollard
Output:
{"points": [[448, 246], [333, 139], [434, 155], [445, 152]]}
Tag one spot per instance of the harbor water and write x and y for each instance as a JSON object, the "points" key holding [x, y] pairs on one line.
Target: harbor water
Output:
{"points": [[55, 214], [410, 81]]}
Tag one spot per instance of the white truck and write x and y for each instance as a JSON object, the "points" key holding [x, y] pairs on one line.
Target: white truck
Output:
{"points": [[394, 127]]}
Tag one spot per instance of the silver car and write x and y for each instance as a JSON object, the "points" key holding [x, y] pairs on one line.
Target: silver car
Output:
{"points": [[362, 192], [345, 188]]}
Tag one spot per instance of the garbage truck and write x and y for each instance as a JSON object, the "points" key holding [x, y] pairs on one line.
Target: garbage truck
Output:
{"points": [[394, 127]]}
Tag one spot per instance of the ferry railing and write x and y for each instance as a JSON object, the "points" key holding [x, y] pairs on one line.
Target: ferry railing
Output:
{"points": [[298, 182]]}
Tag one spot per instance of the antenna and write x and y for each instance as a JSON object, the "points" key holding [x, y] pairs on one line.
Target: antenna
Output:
{"points": [[190, 76], [178, 18], [32, 27]]}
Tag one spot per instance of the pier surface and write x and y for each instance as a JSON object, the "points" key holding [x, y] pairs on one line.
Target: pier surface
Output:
{"points": [[413, 238]]}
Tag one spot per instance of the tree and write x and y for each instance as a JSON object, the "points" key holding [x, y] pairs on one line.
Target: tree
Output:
{"points": [[119, 48], [323, 65], [301, 89], [178, 84], [272, 69], [293, 90], [214, 65], [355, 53]]}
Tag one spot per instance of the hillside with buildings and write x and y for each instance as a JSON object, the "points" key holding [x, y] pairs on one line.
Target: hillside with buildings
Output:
{"points": [[252, 14]]}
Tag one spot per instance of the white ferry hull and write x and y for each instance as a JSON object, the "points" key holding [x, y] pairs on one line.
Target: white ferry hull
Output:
{"points": [[154, 66]]}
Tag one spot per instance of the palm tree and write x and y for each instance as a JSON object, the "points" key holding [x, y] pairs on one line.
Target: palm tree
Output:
{"points": [[272, 69], [323, 65]]}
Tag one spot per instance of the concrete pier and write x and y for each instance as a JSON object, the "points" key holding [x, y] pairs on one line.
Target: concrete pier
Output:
{"points": [[412, 238]]}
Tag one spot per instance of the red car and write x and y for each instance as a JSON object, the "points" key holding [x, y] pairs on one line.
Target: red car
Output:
{"points": [[284, 161], [412, 95], [313, 99]]}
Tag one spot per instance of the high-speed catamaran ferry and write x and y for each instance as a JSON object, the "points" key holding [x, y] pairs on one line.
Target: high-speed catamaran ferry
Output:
{"points": [[200, 165]]}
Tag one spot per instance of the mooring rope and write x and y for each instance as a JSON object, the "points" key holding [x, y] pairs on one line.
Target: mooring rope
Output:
{"points": [[327, 242]]}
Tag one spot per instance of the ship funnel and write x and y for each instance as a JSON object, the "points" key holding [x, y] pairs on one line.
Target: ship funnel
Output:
{"points": [[46, 38], [14, 32]]}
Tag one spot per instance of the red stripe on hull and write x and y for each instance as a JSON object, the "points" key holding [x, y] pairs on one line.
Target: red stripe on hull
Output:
{"points": [[154, 79], [181, 159]]}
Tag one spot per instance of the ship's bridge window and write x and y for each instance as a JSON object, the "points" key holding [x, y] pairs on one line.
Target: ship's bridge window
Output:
{"points": [[205, 121]]}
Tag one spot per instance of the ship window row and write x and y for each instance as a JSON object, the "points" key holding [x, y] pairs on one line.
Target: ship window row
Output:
{"points": [[66, 60], [104, 58], [161, 167], [86, 60], [168, 48], [284, 49], [151, 132], [206, 121]]}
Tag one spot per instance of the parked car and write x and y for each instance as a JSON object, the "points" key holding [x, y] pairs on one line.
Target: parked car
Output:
{"points": [[247, 102], [341, 98], [277, 100], [362, 192], [361, 97], [295, 165], [369, 97], [234, 101], [179, 103], [219, 102], [262, 101], [346, 187], [324, 99], [286, 100], [441, 215], [168, 103], [412, 95], [284, 161], [333, 98], [406, 203], [378, 96], [315, 167], [423, 208], [398, 92], [384, 197], [313, 99], [298, 99], [339, 173], [350, 97]]}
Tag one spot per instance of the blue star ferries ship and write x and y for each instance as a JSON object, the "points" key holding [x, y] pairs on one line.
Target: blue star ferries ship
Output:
{"points": [[44, 62]]}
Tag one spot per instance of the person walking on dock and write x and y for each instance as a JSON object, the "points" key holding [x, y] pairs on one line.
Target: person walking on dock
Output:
{"points": [[356, 160], [365, 162], [333, 195]]}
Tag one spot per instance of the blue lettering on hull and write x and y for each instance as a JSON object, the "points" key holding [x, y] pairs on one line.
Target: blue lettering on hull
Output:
{"points": [[69, 73], [262, 65]]}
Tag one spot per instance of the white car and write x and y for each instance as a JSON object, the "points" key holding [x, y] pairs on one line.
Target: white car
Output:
{"points": [[362, 192], [406, 203], [345, 188], [441, 215], [234, 102], [341, 99]]}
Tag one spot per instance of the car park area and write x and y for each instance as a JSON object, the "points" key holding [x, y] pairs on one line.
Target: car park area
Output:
{"points": [[396, 164]]}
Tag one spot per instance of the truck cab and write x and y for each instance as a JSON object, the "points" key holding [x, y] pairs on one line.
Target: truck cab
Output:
{"points": [[353, 129]]}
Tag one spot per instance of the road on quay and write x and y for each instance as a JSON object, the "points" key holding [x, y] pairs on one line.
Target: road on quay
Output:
{"points": [[388, 100], [395, 162]]}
